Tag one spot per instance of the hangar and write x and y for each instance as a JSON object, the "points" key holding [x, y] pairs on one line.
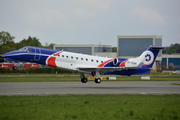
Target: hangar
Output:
{"points": [[171, 61], [97, 50], [131, 46]]}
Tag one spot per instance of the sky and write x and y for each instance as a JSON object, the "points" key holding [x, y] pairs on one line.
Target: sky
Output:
{"points": [[90, 21]]}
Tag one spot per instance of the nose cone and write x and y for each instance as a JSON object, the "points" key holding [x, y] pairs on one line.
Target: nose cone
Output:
{"points": [[9, 54]]}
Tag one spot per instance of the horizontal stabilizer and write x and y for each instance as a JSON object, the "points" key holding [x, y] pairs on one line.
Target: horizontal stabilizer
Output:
{"points": [[156, 47]]}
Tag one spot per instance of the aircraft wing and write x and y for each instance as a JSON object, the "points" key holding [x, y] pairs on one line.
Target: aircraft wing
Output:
{"points": [[106, 69]]}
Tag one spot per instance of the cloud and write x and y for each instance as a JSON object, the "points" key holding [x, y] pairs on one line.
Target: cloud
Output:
{"points": [[83, 13], [49, 16], [102, 4], [149, 15], [90, 8]]}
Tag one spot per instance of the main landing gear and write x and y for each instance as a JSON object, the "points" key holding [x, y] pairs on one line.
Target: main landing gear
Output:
{"points": [[84, 79], [97, 80]]}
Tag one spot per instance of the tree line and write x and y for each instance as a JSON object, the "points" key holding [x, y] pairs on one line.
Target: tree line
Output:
{"points": [[7, 43], [172, 49]]}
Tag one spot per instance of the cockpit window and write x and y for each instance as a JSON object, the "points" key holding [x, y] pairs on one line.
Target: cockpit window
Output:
{"points": [[25, 49], [28, 50], [22, 49]]}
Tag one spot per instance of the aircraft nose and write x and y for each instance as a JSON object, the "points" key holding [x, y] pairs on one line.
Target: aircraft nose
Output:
{"points": [[9, 54], [5, 55]]}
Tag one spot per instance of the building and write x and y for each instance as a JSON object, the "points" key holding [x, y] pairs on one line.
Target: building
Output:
{"points": [[171, 61], [133, 46], [97, 50]]}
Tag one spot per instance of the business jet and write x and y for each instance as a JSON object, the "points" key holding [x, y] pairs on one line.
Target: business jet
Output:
{"points": [[87, 65]]}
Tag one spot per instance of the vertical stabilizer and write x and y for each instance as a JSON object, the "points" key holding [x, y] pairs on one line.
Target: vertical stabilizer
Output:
{"points": [[149, 55]]}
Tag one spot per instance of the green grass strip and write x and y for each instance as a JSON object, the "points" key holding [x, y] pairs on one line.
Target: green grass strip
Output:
{"points": [[90, 107], [70, 79]]}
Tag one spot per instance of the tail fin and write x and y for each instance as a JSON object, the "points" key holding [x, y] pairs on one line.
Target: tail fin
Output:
{"points": [[149, 55]]}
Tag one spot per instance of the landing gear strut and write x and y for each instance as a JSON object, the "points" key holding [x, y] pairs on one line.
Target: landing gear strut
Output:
{"points": [[83, 78], [97, 80]]}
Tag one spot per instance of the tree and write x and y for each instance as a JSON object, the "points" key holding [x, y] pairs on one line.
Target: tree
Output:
{"points": [[172, 49], [5, 49], [114, 49], [31, 41], [5, 38]]}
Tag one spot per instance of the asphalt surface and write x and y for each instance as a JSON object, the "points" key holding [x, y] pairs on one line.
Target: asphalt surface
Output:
{"points": [[61, 88]]}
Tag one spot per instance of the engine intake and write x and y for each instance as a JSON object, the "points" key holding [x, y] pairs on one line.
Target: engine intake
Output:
{"points": [[115, 62]]}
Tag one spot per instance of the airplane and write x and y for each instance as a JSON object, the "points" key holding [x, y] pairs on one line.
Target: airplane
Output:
{"points": [[87, 65]]}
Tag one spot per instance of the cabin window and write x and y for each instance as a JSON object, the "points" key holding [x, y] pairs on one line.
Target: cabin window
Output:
{"points": [[54, 54], [72, 57], [77, 58], [62, 55], [96, 60], [81, 58], [86, 59], [67, 56], [101, 61], [59, 55], [92, 60]]}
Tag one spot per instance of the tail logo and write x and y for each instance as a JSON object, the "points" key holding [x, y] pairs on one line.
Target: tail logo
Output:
{"points": [[149, 57]]}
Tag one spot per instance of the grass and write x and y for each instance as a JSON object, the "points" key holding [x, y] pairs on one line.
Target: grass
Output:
{"points": [[70, 79], [175, 84], [39, 74], [89, 107]]}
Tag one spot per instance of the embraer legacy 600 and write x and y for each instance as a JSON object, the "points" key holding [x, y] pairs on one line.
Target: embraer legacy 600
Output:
{"points": [[87, 65]]}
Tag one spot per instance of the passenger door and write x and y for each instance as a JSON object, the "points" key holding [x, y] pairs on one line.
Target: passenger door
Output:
{"points": [[37, 54]]}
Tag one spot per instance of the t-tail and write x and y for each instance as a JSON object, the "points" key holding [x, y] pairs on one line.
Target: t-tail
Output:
{"points": [[149, 55]]}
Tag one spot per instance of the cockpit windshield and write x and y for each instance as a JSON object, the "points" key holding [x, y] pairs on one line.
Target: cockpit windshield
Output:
{"points": [[25, 49]]}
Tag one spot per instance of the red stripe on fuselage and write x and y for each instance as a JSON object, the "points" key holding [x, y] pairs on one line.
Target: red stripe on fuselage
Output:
{"points": [[123, 63], [51, 62], [104, 63], [58, 53]]}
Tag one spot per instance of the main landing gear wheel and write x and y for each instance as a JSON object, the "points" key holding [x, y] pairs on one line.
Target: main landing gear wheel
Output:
{"points": [[97, 80], [84, 80]]}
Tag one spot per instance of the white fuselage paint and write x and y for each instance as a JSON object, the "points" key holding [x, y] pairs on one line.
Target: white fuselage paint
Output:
{"points": [[72, 61]]}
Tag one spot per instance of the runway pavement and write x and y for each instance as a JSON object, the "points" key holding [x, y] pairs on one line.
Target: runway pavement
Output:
{"points": [[50, 88]]}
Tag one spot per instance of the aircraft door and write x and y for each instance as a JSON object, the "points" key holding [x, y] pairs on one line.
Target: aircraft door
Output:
{"points": [[37, 54]]}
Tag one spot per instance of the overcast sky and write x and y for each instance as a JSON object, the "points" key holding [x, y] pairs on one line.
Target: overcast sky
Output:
{"points": [[90, 21]]}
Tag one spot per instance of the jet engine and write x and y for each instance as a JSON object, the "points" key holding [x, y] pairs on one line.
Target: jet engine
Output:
{"points": [[115, 62]]}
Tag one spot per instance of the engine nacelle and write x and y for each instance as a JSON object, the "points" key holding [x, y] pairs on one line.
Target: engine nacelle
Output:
{"points": [[115, 62]]}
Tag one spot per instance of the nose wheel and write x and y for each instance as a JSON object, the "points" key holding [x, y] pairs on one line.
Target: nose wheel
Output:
{"points": [[97, 80]]}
